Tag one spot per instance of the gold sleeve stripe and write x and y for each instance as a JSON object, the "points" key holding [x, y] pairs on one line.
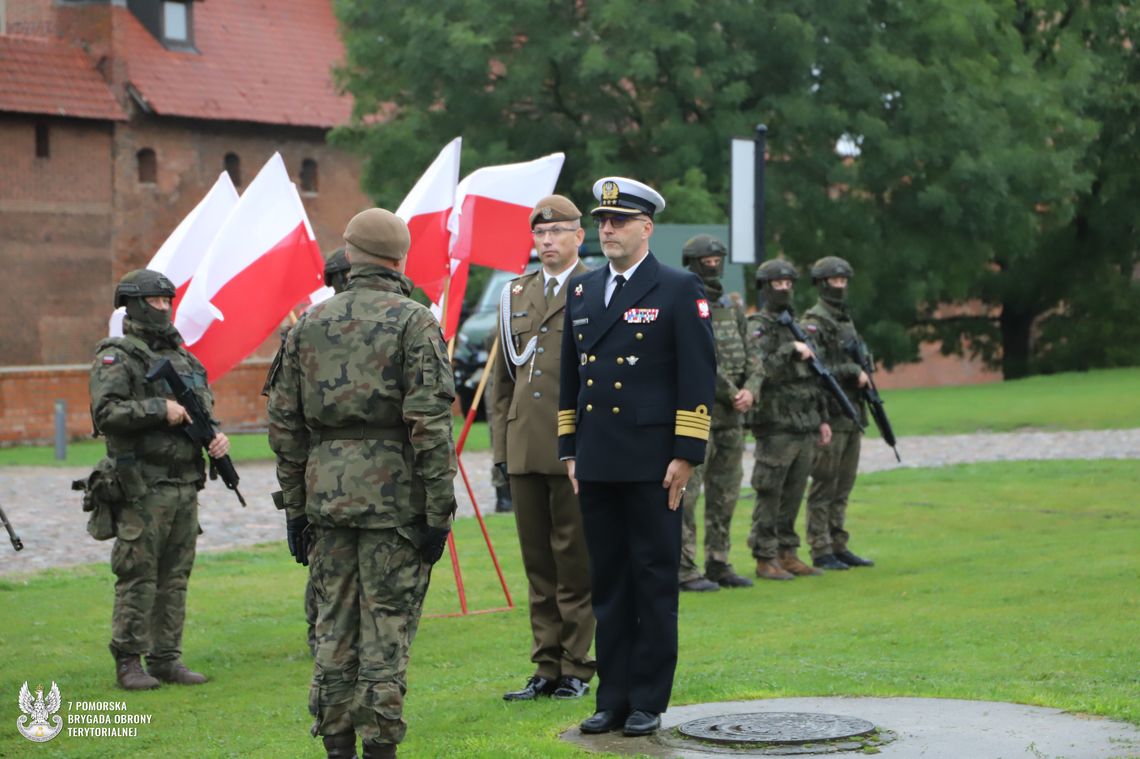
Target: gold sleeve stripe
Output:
{"points": [[566, 428], [692, 428], [694, 416], [567, 412], [690, 432]]}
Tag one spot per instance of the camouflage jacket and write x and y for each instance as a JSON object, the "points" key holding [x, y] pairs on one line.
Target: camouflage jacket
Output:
{"points": [[791, 398], [131, 412], [360, 410], [831, 330], [738, 365]]}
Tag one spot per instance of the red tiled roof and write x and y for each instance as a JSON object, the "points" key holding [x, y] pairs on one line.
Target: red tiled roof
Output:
{"points": [[49, 76], [261, 61]]}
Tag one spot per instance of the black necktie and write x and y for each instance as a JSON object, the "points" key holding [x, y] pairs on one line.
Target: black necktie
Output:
{"points": [[619, 283]]}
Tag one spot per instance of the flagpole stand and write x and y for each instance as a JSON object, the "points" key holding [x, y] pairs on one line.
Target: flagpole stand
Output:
{"points": [[461, 589]]}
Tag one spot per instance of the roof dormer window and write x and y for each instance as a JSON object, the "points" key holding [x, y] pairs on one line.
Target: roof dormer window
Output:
{"points": [[176, 22]]}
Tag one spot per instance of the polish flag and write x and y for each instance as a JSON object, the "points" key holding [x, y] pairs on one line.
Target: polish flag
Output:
{"points": [[183, 251], [456, 287], [263, 261], [426, 210], [491, 218]]}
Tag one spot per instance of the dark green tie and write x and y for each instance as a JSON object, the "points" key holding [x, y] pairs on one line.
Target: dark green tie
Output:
{"points": [[551, 284]]}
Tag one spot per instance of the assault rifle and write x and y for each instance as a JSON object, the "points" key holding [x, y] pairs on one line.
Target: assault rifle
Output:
{"points": [[16, 542], [201, 429], [858, 351], [821, 371]]}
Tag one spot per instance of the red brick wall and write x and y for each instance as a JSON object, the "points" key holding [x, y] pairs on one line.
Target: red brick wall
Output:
{"points": [[55, 238], [28, 396], [934, 369]]}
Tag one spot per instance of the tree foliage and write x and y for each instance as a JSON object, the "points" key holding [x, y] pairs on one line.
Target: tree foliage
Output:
{"points": [[984, 131]]}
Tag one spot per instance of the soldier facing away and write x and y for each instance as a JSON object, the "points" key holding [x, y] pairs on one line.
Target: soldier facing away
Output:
{"points": [[791, 416], [360, 420], [833, 476], [738, 377], [549, 521], [160, 471]]}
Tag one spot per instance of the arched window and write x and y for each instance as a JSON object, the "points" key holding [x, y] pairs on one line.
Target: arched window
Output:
{"points": [[148, 167], [233, 168], [309, 181]]}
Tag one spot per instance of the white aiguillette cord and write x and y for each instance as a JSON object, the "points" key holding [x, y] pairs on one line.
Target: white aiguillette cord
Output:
{"points": [[513, 358]]}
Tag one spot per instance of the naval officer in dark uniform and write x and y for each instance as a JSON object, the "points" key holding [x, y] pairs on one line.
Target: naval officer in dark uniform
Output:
{"points": [[637, 382]]}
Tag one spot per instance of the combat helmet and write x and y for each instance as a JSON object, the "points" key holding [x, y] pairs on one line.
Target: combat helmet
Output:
{"points": [[336, 270], [700, 247], [775, 268], [142, 283], [830, 266]]}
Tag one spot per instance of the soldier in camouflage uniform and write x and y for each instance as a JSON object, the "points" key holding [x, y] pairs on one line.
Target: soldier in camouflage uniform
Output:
{"points": [[791, 414], [360, 420], [738, 376], [159, 471], [833, 476]]}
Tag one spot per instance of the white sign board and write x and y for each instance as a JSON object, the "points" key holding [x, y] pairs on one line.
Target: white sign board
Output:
{"points": [[742, 221]]}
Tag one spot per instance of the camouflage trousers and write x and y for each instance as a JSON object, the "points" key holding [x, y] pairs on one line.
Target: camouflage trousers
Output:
{"points": [[832, 479], [311, 616], [370, 587], [720, 475], [779, 476], [152, 573]]}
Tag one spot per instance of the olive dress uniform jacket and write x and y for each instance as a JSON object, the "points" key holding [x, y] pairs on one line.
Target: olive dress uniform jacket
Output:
{"points": [[637, 377], [525, 410]]}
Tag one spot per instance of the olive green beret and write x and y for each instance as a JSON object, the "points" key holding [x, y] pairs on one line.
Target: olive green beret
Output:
{"points": [[554, 208], [378, 233]]}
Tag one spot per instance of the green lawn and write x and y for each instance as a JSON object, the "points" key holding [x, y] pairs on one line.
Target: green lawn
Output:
{"points": [[1011, 582]]}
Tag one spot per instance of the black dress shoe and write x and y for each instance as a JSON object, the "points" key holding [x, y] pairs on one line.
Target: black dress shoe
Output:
{"points": [[699, 585], [603, 721], [828, 561], [503, 503], [571, 687], [852, 560], [641, 723], [535, 687]]}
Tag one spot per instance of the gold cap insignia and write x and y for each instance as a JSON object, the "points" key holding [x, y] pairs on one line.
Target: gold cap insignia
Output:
{"points": [[609, 193], [547, 212]]}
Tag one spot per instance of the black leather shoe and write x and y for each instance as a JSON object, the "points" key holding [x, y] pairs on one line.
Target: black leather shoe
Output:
{"points": [[571, 687], [536, 687], [603, 721], [733, 580], [828, 561], [699, 585], [641, 723], [852, 560]]}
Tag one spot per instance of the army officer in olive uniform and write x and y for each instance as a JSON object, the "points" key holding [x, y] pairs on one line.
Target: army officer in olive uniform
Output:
{"points": [[638, 370], [525, 401]]}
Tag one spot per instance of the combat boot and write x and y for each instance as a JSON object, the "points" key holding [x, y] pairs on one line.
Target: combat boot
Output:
{"points": [[174, 671], [790, 562], [129, 673], [770, 569], [503, 502], [341, 745], [379, 750]]}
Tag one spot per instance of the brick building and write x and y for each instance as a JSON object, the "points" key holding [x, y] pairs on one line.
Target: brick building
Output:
{"points": [[116, 117]]}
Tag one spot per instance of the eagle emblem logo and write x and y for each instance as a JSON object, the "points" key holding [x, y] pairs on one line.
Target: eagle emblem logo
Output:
{"points": [[609, 193], [39, 711]]}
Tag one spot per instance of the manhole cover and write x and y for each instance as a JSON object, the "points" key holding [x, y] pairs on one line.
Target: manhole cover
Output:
{"points": [[776, 728]]}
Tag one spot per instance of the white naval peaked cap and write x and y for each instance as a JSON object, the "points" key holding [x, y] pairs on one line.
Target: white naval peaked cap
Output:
{"points": [[620, 195]]}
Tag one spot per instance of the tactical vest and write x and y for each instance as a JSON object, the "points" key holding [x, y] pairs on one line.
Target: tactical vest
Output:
{"points": [[731, 359], [162, 453], [789, 400], [831, 333]]}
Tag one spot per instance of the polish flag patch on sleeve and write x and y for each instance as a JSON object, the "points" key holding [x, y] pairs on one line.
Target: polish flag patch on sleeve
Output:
{"points": [[703, 308], [108, 360]]}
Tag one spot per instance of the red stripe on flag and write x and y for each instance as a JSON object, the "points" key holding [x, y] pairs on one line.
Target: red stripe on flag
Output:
{"points": [[494, 233], [428, 263], [256, 300], [455, 291], [178, 293]]}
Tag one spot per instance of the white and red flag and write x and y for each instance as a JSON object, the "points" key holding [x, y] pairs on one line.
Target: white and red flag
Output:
{"points": [[491, 217], [181, 254], [426, 210], [262, 262]]}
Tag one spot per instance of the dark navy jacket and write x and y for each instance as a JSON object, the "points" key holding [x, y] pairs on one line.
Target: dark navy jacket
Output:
{"points": [[638, 377]]}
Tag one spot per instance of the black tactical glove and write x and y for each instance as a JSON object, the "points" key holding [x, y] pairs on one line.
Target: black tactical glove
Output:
{"points": [[298, 535], [434, 544], [502, 467]]}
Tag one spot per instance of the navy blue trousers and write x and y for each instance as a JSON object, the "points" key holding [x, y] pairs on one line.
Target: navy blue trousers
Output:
{"points": [[634, 542]]}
